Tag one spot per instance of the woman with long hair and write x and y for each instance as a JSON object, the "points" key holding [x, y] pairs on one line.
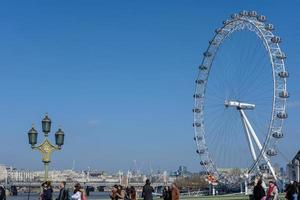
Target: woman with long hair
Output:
{"points": [[258, 191], [132, 192], [77, 192]]}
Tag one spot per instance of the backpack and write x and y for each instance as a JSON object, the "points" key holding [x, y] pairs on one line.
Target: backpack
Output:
{"points": [[83, 196]]}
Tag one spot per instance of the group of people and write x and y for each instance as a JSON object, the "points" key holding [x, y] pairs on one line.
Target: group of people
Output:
{"points": [[171, 193], [259, 192], [292, 191], [47, 192], [118, 192], [129, 193]]}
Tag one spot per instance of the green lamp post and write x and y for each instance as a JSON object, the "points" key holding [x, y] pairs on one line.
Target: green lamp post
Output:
{"points": [[46, 148]]}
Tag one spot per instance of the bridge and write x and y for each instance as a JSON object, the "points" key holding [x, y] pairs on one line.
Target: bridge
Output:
{"points": [[92, 184]]}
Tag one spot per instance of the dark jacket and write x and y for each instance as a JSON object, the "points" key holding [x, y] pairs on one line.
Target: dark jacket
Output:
{"points": [[47, 194], [147, 192], [167, 194], [63, 194], [2, 194], [258, 192]]}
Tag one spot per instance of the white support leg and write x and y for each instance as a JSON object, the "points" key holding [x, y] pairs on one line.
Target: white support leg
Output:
{"points": [[257, 142], [249, 139]]}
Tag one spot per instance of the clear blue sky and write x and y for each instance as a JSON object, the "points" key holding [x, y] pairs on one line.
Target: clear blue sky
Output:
{"points": [[119, 77]]}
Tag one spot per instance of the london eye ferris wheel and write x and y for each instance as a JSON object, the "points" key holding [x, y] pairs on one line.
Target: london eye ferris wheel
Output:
{"points": [[240, 97]]}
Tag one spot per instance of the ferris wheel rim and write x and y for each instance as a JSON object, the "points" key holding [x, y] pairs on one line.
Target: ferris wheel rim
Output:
{"points": [[242, 20]]}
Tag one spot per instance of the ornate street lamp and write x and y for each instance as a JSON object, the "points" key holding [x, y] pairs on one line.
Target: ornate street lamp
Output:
{"points": [[46, 148]]}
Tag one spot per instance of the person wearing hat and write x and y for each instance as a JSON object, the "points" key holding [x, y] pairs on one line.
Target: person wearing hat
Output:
{"points": [[147, 191]]}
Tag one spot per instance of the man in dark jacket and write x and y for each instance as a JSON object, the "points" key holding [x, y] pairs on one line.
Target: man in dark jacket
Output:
{"points": [[2, 193], [147, 191], [63, 192]]}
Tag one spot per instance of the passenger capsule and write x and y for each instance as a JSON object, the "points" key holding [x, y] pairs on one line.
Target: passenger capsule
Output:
{"points": [[196, 124], [197, 96], [276, 39], [207, 54], [201, 151], [234, 16], [226, 22], [252, 13], [282, 115], [283, 74], [199, 81], [196, 110], [269, 27], [284, 94], [261, 18], [198, 138], [281, 56], [219, 30], [263, 167], [277, 135], [243, 13], [271, 152], [204, 162], [202, 67], [213, 42]]}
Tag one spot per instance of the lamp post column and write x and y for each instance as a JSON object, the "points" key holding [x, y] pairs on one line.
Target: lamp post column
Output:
{"points": [[46, 148]]}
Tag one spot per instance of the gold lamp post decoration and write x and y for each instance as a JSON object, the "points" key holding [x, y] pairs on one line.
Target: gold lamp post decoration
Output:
{"points": [[46, 148]]}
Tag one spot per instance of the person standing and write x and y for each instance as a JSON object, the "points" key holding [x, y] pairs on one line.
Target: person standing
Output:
{"points": [[77, 194], [2, 193], [166, 195], [120, 193], [147, 191], [175, 192], [63, 192], [298, 191], [272, 193], [132, 193], [293, 192], [47, 191], [113, 194], [258, 191]]}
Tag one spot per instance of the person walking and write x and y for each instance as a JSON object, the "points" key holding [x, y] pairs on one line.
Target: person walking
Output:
{"points": [[2, 193], [63, 192], [258, 191], [272, 193], [77, 195], [175, 192], [147, 191]]}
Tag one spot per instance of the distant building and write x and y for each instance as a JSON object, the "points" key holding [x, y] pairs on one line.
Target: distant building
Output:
{"points": [[3, 173], [293, 168], [182, 171]]}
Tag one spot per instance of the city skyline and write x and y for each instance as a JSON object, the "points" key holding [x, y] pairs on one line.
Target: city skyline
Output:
{"points": [[119, 78]]}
